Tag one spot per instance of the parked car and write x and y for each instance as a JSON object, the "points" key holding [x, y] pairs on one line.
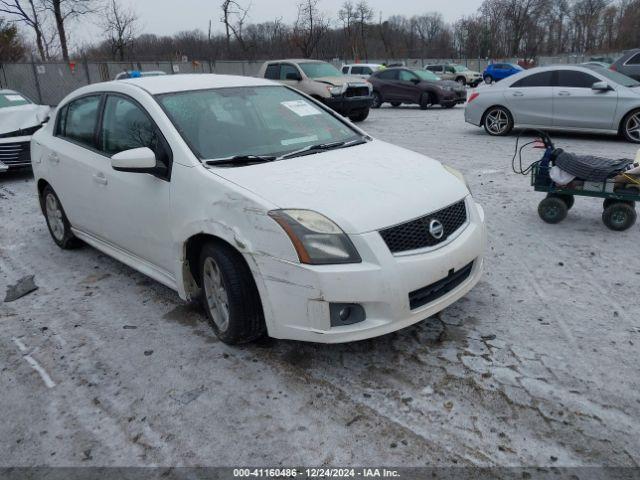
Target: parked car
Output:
{"points": [[403, 85], [306, 228], [348, 95], [628, 64], [362, 70], [499, 71], [570, 98], [596, 64], [19, 119], [138, 73], [458, 73]]}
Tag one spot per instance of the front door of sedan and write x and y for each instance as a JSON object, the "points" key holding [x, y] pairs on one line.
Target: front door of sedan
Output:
{"points": [[530, 99], [577, 105], [134, 207]]}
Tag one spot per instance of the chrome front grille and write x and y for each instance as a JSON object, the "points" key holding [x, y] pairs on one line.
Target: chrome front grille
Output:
{"points": [[415, 234], [15, 153]]}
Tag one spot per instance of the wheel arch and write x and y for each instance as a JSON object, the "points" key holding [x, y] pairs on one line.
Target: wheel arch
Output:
{"points": [[41, 185], [484, 114], [624, 117]]}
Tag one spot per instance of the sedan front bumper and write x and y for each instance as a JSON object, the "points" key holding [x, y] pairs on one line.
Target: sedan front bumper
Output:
{"points": [[299, 297]]}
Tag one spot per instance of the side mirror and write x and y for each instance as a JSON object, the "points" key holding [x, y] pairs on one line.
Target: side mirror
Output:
{"points": [[601, 87], [136, 160], [293, 76]]}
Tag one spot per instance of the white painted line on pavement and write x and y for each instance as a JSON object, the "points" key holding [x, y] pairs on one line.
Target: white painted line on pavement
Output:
{"points": [[35, 365]]}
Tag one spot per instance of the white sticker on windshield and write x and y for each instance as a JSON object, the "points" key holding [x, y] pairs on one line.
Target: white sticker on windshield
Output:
{"points": [[14, 98], [301, 108], [293, 141]]}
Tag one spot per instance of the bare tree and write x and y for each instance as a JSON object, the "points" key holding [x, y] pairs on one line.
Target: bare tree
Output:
{"points": [[348, 17], [364, 15], [26, 12], [64, 10], [11, 46], [310, 27], [234, 17], [120, 27]]}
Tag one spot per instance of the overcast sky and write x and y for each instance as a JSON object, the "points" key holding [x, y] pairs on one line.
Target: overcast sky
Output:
{"points": [[171, 16]]}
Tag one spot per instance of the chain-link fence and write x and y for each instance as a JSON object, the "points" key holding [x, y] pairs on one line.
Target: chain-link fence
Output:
{"points": [[48, 83]]}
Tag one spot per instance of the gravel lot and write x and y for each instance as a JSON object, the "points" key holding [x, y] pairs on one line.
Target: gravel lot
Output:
{"points": [[538, 365]]}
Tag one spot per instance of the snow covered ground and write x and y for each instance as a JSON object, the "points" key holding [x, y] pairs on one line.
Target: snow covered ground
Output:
{"points": [[537, 366]]}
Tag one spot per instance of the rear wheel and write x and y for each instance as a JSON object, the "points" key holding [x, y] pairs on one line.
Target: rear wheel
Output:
{"points": [[619, 216], [498, 121], [426, 100], [57, 221], [569, 200], [461, 80], [359, 116], [631, 127], [377, 100], [229, 295], [488, 79], [395, 104], [448, 105], [552, 210]]}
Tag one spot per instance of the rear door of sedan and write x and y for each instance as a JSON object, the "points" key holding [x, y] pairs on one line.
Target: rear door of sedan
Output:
{"points": [[530, 99], [577, 105]]}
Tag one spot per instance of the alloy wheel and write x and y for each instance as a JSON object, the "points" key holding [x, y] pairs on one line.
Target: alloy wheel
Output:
{"points": [[54, 217], [216, 294], [497, 121], [633, 127]]}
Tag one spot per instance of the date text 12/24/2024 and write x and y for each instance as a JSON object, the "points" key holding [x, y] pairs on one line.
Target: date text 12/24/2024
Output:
{"points": [[315, 473]]}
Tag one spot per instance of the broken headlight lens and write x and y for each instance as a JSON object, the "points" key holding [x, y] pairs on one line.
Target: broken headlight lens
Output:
{"points": [[317, 240]]}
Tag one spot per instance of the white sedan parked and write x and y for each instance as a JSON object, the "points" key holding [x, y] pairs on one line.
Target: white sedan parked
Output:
{"points": [[19, 119], [282, 216]]}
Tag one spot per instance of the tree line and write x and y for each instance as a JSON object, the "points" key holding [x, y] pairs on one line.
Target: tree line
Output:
{"points": [[498, 29]]}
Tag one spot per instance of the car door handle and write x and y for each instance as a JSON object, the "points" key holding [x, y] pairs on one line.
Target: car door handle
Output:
{"points": [[53, 158], [518, 94], [100, 178], [564, 93]]}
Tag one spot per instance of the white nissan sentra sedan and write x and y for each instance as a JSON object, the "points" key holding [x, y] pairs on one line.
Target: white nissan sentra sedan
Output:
{"points": [[282, 216]]}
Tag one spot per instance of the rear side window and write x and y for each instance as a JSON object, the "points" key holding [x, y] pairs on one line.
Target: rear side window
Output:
{"points": [[542, 79], [635, 60], [357, 70], [78, 120], [434, 68], [575, 79], [388, 75], [407, 76], [272, 72]]}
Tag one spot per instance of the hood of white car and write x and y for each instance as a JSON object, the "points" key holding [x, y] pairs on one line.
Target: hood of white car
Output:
{"points": [[21, 117], [362, 188]]}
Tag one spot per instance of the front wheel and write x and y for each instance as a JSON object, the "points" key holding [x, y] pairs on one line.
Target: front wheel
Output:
{"points": [[569, 200], [395, 104], [631, 127], [426, 100], [448, 105], [498, 121], [360, 116], [57, 221], [461, 80], [552, 210], [619, 216], [229, 295], [488, 79], [377, 100]]}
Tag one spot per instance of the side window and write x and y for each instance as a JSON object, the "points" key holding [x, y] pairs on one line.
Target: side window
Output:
{"points": [[367, 71], [272, 72], [450, 70], [345, 70], [542, 79], [635, 60], [575, 79], [357, 70], [432, 68], [80, 120], [125, 126], [286, 69], [407, 76], [388, 75]]}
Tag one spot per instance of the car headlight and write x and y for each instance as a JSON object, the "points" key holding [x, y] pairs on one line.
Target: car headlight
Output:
{"points": [[458, 174], [317, 240], [448, 88], [339, 90]]}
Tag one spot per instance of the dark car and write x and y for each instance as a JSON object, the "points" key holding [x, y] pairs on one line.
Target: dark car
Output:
{"points": [[403, 85], [628, 64]]}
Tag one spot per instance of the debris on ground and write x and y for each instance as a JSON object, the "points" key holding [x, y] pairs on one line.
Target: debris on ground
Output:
{"points": [[25, 286]]}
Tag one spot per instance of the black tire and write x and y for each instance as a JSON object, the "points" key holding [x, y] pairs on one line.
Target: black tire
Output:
{"points": [[461, 81], [610, 201], [361, 116], [488, 79], [448, 105], [427, 100], [58, 224], [395, 104], [619, 216], [630, 126], [245, 318], [377, 101], [552, 210], [497, 121], [569, 200]]}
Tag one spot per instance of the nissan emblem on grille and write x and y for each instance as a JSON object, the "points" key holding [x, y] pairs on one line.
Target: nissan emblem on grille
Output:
{"points": [[436, 229]]}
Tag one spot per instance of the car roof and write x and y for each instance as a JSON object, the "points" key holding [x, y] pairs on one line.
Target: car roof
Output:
{"points": [[180, 82], [362, 65], [6, 91], [296, 60]]}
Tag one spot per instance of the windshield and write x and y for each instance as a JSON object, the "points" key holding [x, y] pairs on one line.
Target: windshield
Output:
{"points": [[460, 68], [617, 77], [12, 100], [318, 69], [427, 75], [262, 121]]}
